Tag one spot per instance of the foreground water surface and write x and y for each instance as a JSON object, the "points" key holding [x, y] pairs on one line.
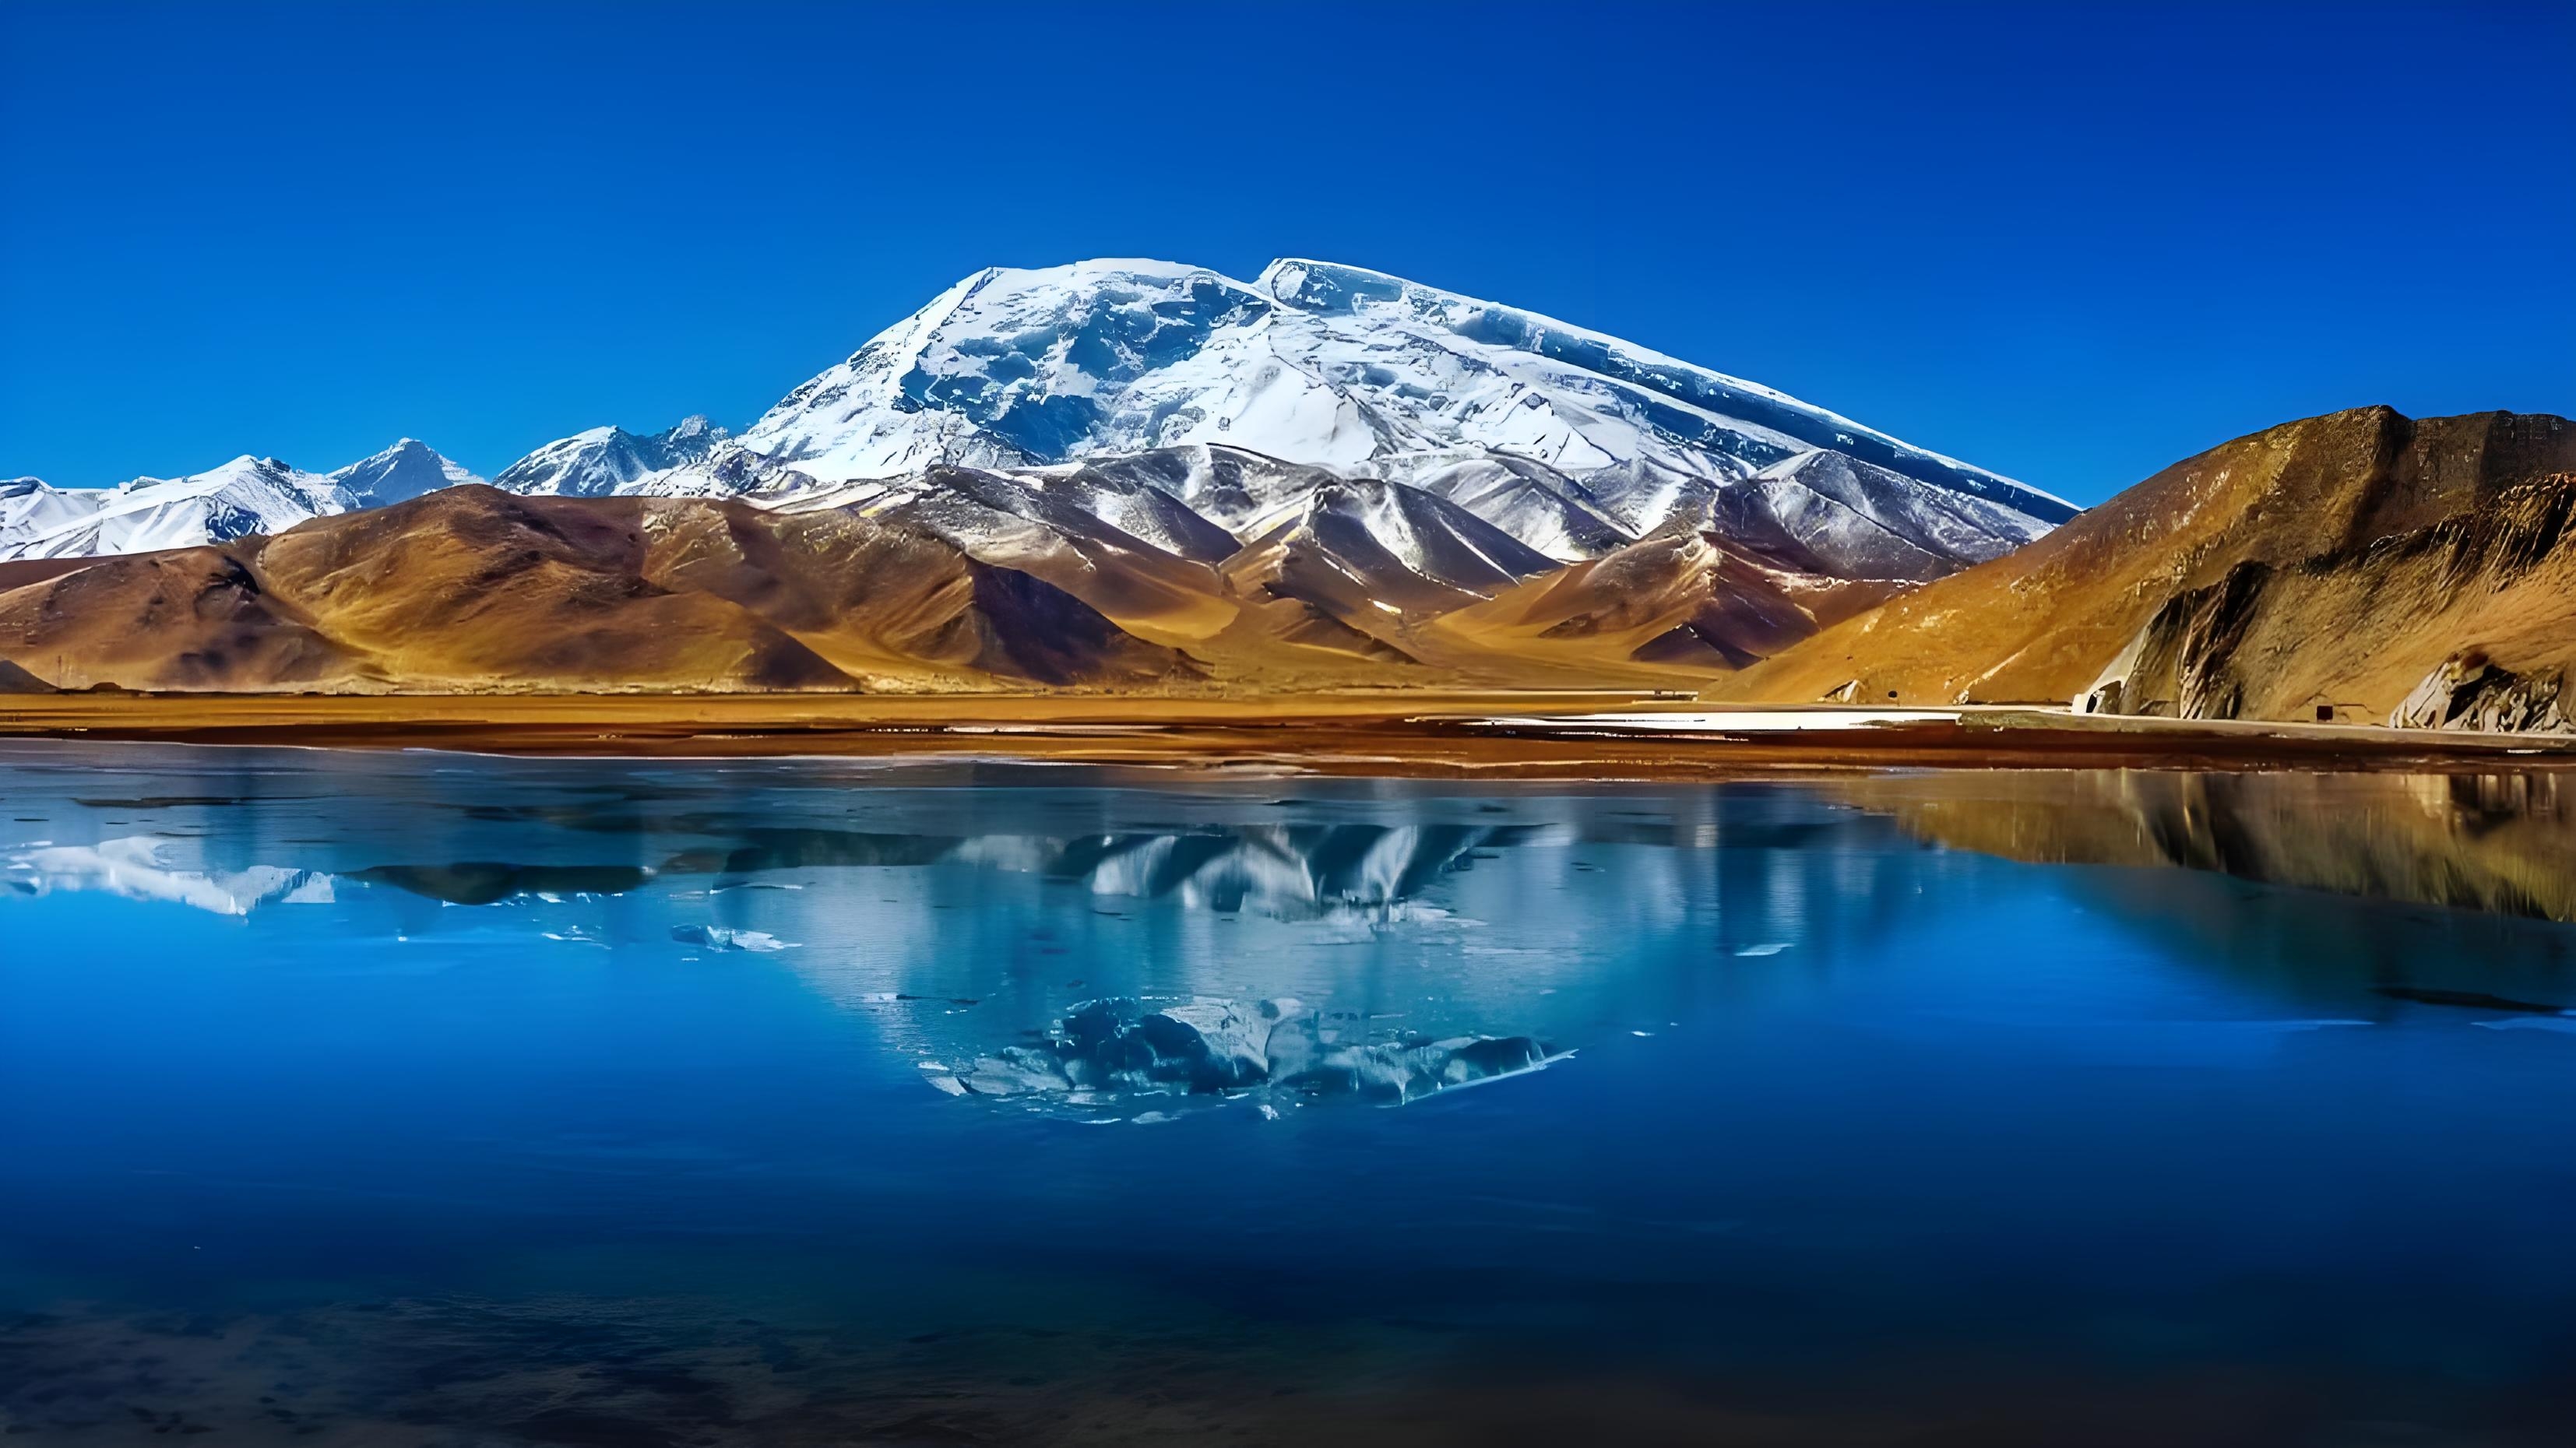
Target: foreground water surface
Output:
{"points": [[414, 1098]]}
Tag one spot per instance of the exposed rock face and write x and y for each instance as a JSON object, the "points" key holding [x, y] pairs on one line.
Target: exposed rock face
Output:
{"points": [[2176, 667], [2339, 636], [2325, 565], [2468, 691]]}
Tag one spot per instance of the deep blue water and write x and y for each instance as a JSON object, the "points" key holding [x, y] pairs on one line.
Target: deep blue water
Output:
{"points": [[426, 1099]]}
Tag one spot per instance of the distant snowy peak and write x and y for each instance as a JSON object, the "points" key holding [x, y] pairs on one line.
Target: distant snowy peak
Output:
{"points": [[246, 495], [611, 460], [1314, 363], [31, 508], [402, 472]]}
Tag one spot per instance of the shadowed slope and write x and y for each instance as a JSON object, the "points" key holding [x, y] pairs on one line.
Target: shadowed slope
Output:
{"points": [[1691, 601], [473, 588], [891, 604], [190, 618]]}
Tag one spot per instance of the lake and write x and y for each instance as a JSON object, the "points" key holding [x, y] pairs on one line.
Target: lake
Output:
{"points": [[434, 1099]]}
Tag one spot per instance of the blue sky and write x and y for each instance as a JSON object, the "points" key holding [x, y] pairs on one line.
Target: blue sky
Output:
{"points": [[2070, 243]]}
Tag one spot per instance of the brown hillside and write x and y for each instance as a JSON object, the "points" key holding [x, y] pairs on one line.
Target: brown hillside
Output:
{"points": [[1689, 601], [2349, 635], [190, 618], [474, 588], [2042, 624]]}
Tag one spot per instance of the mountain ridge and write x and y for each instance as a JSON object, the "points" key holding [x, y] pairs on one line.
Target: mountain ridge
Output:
{"points": [[2177, 565], [1573, 442]]}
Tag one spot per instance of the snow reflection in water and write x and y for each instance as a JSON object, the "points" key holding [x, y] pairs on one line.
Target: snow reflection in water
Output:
{"points": [[364, 1061]]}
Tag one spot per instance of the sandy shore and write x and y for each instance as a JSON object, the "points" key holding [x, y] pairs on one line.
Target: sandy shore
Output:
{"points": [[1593, 735]]}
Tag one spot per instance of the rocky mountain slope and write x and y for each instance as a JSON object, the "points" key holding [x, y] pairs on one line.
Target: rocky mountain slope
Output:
{"points": [[957, 578], [2323, 569]]}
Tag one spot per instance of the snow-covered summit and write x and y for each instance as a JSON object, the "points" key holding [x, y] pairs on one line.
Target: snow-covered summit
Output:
{"points": [[1314, 363], [1201, 413], [246, 495], [402, 472], [609, 460]]}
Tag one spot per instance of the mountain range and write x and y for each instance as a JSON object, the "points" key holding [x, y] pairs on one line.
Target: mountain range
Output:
{"points": [[1137, 475]]}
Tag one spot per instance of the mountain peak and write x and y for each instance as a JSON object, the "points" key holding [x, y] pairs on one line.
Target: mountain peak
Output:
{"points": [[605, 460], [1326, 286], [401, 472], [1315, 362]]}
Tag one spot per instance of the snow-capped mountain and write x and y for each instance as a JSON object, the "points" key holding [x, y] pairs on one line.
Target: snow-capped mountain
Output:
{"points": [[246, 495], [32, 508], [610, 460], [1344, 368], [406, 470], [1348, 432]]}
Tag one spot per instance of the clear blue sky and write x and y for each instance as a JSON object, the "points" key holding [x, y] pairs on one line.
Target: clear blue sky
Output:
{"points": [[2071, 243]]}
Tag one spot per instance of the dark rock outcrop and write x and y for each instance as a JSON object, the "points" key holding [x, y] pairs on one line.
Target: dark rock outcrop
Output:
{"points": [[2468, 691]]}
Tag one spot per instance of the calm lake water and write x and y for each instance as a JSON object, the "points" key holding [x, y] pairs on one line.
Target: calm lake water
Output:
{"points": [[414, 1098]]}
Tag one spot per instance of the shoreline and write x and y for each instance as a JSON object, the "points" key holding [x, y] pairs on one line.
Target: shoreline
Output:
{"points": [[1593, 734]]}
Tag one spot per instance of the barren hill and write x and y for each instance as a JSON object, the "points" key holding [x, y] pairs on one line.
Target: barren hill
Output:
{"points": [[473, 588], [2325, 563]]}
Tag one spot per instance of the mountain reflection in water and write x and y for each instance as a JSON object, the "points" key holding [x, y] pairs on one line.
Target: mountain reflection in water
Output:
{"points": [[2503, 843], [426, 1098]]}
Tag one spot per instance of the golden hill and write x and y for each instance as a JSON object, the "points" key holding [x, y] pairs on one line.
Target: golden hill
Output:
{"points": [[473, 588], [2325, 563]]}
